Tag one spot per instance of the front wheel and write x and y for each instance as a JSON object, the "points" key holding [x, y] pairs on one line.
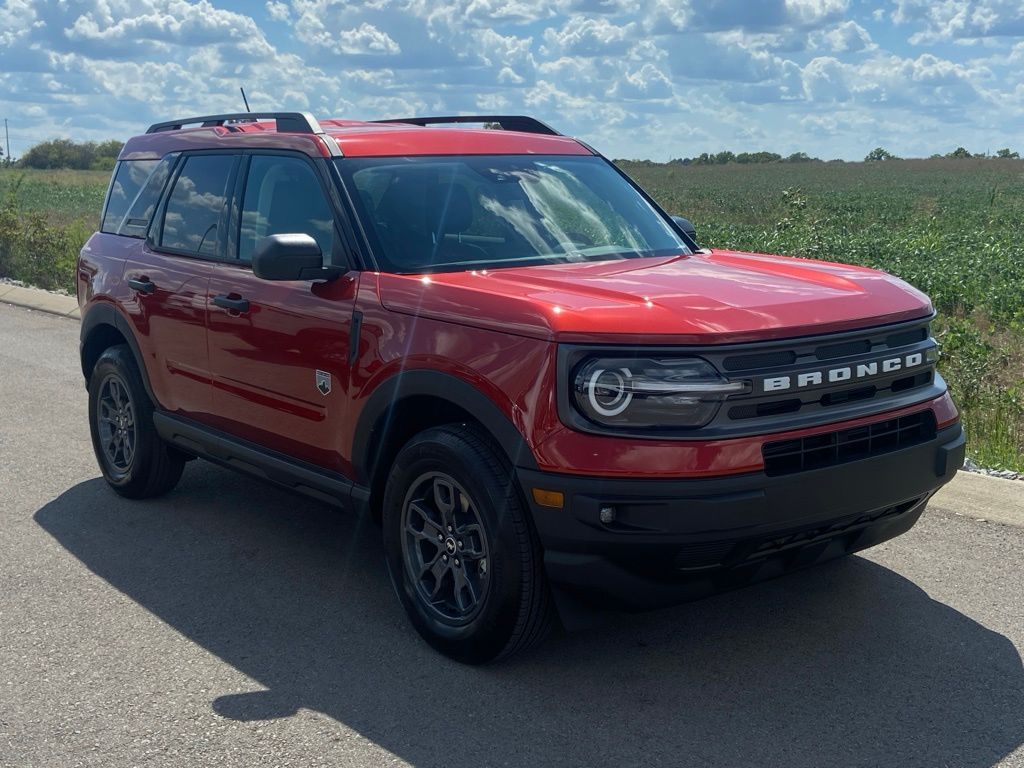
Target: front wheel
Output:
{"points": [[460, 547]]}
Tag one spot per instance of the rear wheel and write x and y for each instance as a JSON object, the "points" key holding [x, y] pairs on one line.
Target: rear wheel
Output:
{"points": [[460, 547], [132, 457]]}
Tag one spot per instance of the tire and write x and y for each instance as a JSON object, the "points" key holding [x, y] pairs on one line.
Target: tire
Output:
{"points": [[492, 544], [134, 461]]}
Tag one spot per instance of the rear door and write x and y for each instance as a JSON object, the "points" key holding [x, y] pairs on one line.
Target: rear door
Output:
{"points": [[169, 278], [279, 350]]}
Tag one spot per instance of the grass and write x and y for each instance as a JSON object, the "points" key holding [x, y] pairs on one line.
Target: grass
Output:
{"points": [[64, 197], [953, 228]]}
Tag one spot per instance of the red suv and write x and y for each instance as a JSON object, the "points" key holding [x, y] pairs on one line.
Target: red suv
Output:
{"points": [[496, 343]]}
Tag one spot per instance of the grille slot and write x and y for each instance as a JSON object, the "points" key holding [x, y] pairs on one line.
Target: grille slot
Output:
{"points": [[832, 351], [848, 396], [784, 457], [759, 360], [925, 377], [906, 337], [765, 409]]}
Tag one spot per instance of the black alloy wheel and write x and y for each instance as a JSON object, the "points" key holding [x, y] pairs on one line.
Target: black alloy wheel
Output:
{"points": [[445, 547], [115, 421]]}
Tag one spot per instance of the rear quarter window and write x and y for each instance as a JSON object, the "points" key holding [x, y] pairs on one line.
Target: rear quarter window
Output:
{"points": [[136, 222], [129, 177]]}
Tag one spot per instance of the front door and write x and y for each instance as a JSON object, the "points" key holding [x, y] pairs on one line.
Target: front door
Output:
{"points": [[279, 350]]}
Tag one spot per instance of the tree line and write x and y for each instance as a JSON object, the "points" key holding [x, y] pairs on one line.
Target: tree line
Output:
{"points": [[75, 155], [879, 155], [91, 155]]}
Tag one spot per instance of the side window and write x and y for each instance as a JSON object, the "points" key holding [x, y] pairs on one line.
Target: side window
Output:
{"points": [[283, 196], [128, 179], [193, 215], [136, 222]]}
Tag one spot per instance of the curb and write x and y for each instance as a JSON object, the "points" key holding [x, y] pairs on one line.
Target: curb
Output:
{"points": [[40, 300], [984, 498]]}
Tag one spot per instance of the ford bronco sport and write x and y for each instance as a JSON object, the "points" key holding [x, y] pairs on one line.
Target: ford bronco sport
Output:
{"points": [[501, 347]]}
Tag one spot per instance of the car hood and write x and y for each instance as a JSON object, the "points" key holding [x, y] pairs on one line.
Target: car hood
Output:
{"points": [[708, 297]]}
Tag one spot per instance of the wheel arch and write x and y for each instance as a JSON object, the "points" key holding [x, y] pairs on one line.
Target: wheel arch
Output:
{"points": [[104, 327], [412, 401]]}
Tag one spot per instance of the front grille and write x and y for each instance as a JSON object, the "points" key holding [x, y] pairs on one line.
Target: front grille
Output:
{"points": [[783, 392], [784, 457]]}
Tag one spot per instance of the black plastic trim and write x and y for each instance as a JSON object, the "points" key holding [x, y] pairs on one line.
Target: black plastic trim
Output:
{"points": [[375, 418], [519, 123], [287, 122], [104, 313], [243, 456], [355, 328], [636, 559]]}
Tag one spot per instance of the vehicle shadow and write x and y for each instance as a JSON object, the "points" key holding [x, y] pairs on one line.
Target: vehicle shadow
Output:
{"points": [[848, 663]]}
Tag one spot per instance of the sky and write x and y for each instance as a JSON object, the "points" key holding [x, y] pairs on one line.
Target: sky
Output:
{"points": [[653, 79]]}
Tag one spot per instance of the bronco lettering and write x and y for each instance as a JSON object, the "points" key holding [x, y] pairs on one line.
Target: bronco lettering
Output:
{"points": [[845, 373]]}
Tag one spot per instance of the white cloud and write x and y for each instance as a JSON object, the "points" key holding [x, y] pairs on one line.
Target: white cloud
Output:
{"points": [[846, 37], [661, 78], [366, 38], [647, 82], [958, 19], [583, 36], [278, 11]]}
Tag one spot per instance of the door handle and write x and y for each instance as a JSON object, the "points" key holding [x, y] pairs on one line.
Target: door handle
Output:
{"points": [[227, 302], [144, 285]]}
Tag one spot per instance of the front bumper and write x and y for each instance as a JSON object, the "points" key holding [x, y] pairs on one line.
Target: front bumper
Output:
{"points": [[678, 540]]}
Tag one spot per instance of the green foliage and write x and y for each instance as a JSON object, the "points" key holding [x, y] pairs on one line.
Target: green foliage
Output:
{"points": [[64, 153], [959, 154], [743, 158], [35, 249], [878, 155], [1006, 154]]}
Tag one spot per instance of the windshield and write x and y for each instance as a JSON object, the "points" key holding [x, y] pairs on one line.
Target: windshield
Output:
{"points": [[435, 214]]}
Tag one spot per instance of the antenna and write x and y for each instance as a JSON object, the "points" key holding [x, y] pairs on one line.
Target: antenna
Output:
{"points": [[244, 99]]}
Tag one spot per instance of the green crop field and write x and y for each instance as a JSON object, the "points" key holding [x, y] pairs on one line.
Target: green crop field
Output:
{"points": [[953, 228]]}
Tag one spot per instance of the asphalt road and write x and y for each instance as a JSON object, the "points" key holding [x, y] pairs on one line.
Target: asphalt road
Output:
{"points": [[233, 624]]}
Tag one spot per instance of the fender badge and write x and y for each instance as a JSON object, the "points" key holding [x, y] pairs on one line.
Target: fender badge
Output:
{"points": [[323, 382]]}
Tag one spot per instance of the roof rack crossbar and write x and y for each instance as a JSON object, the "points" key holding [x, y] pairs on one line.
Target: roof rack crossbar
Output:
{"points": [[287, 122], [522, 123]]}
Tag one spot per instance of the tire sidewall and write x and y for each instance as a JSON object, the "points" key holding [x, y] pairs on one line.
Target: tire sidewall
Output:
{"points": [[497, 503], [117, 361]]}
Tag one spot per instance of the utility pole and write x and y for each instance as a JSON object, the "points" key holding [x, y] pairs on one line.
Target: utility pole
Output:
{"points": [[7, 137]]}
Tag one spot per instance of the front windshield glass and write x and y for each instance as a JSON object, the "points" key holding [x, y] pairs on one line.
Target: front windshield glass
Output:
{"points": [[436, 214]]}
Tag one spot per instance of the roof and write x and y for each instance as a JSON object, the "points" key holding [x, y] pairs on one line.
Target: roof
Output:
{"points": [[354, 138]]}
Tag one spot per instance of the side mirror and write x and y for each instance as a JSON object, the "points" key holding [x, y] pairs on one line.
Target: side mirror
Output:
{"points": [[291, 257], [687, 226]]}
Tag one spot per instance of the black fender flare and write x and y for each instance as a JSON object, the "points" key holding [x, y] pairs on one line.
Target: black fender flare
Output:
{"points": [[105, 313], [376, 416]]}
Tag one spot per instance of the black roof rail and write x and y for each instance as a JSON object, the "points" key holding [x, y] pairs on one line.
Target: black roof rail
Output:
{"points": [[287, 122], [521, 123]]}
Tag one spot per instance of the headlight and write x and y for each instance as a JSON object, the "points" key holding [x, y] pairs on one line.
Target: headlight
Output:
{"points": [[637, 392]]}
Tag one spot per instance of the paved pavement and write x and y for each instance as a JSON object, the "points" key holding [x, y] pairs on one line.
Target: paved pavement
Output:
{"points": [[232, 624]]}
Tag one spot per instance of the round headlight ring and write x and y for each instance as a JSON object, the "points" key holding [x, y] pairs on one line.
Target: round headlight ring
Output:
{"points": [[621, 399]]}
